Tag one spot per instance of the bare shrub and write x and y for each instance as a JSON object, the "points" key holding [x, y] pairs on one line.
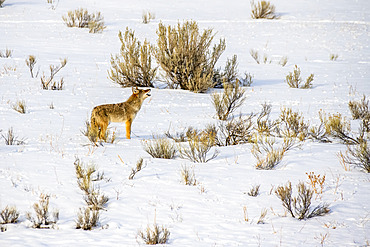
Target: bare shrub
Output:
{"points": [[48, 83], [138, 167], [300, 207], [95, 199], [316, 182], [254, 191], [43, 218], [283, 61], [262, 216], [82, 19], [182, 136], [154, 235], [268, 154], [11, 139], [229, 100], [8, 53], [31, 62], [188, 176], [358, 156], [160, 148], [133, 66], [87, 219], [294, 79], [265, 126], [228, 75], [184, 55], [247, 80], [85, 178], [318, 133], [53, 4], [147, 16], [292, 124], [20, 106], [255, 55], [263, 10], [200, 144], [338, 127], [361, 110], [9, 214], [237, 130]]}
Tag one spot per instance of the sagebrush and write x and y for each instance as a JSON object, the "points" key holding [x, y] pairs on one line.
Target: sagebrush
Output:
{"points": [[20, 106], [228, 74], [300, 206], [48, 82], [7, 54], [31, 62], [263, 10], [188, 176], [199, 146], [11, 139], [295, 80], [235, 131], [154, 235], [147, 16], [160, 148], [133, 66], [81, 18], [137, 168], [357, 155], [43, 218], [9, 214], [229, 100], [87, 219], [184, 54]]}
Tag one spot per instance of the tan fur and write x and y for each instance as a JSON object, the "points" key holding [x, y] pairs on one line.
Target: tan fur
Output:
{"points": [[126, 111]]}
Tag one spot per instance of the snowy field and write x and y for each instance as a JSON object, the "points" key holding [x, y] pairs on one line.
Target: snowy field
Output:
{"points": [[218, 211]]}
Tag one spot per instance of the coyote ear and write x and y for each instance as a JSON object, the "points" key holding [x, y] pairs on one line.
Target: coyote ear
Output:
{"points": [[135, 90]]}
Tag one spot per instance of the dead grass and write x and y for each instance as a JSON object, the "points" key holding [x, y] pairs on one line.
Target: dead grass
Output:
{"points": [[9, 215], [81, 18], [263, 10], [160, 148], [87, 219], [42, 217]]}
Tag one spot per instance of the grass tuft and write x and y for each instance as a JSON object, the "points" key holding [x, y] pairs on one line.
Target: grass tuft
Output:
{"points": [[160, 148], [263, 10]]}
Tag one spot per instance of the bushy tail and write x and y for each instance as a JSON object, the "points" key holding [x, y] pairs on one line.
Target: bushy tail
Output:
{"points": [[93, 128]]}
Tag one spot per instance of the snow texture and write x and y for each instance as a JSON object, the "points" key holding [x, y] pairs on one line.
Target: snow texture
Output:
{"points": [[210, 214]]}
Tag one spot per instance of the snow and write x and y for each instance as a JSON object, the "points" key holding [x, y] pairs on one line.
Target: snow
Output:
{"points": [[210, 214]]}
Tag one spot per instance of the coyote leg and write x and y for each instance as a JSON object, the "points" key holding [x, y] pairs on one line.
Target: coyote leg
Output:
{"points": [[128, 129]]}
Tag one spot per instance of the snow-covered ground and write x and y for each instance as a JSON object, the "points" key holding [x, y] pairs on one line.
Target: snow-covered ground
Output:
{"points": [[212, 213]]}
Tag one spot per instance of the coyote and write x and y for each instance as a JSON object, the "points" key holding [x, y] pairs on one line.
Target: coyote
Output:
{"points": [[126, 111]]}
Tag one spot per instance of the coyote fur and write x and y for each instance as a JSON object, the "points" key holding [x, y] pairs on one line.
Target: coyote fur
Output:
{"points": [[126, 111]]}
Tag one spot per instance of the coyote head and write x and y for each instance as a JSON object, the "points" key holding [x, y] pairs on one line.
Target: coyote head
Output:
{"points": [[141, 93]]}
